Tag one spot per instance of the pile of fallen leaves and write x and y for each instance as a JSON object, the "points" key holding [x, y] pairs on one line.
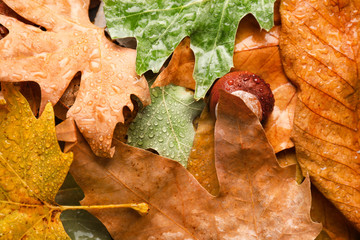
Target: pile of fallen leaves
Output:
{"points": [[123, 130]]}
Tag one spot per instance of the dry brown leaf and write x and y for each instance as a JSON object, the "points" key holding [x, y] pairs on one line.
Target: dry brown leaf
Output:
{"points": [[335, 225], [31, 92], [66, 131], [287, 157], [71, 43], [320, 45], [68, 98], [257, 51], [257, 198], [201, 161], [180, 69]]}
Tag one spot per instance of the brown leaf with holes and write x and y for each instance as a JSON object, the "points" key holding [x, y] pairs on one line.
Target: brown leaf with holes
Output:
{"points": [[257, 51], [71, 44], [257, 198], [320, 45]]}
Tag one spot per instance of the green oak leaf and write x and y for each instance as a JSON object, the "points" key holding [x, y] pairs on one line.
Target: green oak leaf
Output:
{"points": [[166, 125], [160, 25]]}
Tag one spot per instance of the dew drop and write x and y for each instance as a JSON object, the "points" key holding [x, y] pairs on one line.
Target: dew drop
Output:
{"points": [[115, 88], [77, 110], [155, 94], [95, 66]]}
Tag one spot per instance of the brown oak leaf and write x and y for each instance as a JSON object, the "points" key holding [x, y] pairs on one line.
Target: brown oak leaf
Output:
{"points": [[257, 198], [72, 44], [320, 45]]}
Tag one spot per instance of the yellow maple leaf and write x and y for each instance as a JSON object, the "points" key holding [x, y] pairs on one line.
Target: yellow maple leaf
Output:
{"points": [[32, 169], [72, 44]]}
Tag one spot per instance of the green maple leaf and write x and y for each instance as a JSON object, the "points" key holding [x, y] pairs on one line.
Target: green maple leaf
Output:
{"points": [[166, 125], [160, 25]]}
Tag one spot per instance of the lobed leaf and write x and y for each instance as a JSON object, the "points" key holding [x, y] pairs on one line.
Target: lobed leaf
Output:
{"points": [[32, 169], [159, 26], [72, 44], [253, 188]]}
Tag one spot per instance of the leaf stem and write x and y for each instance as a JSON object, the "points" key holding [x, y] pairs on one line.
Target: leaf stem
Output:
{"points": [[141, 208]]}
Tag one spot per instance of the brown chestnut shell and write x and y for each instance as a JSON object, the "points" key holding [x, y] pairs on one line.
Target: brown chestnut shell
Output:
{"points": [[245, 81]]}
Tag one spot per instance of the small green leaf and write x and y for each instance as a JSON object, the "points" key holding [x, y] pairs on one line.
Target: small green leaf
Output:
{"points": [[78, 224], [160, 25], [167, 124]]}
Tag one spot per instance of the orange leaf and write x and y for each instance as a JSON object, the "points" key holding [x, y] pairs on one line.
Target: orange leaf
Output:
{"points": [[71, 43], [319, 45], [180, 69], [335, 225], [201, 162]]}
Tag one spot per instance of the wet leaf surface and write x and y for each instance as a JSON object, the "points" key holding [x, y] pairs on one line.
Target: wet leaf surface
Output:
{"points": [[159, 26], [166, 125], [71, 43], [319, 46], [32, 169], [253, 188]]}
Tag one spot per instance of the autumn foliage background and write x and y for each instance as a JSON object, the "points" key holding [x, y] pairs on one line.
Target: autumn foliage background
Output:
{"points": [[294, 177]]}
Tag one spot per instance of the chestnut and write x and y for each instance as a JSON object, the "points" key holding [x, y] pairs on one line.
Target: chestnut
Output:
{"points": [[253, 90]]}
